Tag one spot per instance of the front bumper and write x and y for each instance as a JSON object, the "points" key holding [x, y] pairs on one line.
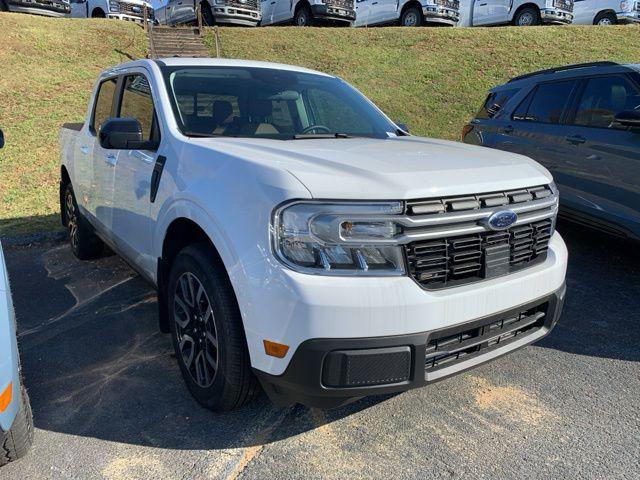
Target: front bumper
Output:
{"points": [[41, 7], [331, 12], [327, 373], [438, 14], [628, 17], [236, 16], [129, 18], [553, 15]]}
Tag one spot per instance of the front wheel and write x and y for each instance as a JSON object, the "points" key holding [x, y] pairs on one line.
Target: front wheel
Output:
{"points": [[15, 443], [303, 17], [605, 19], [411, 17], [207, 332], [527, 17], [208, 20]]}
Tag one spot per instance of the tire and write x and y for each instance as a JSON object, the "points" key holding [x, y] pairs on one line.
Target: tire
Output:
{"points": [[527, 17], [208, 20], [15, 443], [98, 13], [303, 17], [207, 332], [85, 244], [605, 19], [3, 6], [411, 17]]}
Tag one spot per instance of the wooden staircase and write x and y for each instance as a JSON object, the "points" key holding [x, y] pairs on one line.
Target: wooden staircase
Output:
{"points": [[175, 42]]}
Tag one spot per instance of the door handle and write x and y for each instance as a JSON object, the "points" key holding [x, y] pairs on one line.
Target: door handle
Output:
{"points": [[84, 149], [575, 139], [110, 159], [483, 5], [508, 129]]}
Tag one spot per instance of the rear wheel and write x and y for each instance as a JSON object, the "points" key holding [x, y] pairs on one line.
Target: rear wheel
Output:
{"points": [[527, 17], [303, 17], [605, 19], [85, 244], [207, 333], [411, 17], [15, 443]]}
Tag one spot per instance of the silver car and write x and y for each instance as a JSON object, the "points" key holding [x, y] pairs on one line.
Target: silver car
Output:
{"points": [[16, 422]]}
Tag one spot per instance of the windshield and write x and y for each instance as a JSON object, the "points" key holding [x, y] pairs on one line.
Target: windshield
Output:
{"points": [[270, 103]]}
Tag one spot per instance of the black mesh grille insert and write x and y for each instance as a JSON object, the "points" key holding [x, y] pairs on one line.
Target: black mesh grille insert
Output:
{"points": [[449, 348], [458, 260]]}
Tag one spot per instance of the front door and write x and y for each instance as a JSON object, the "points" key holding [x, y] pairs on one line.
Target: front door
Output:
{"points": [[98, 195], [133, 172]]}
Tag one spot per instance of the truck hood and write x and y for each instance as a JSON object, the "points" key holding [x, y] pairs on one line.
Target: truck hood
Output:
{"points": [[398, 168]]}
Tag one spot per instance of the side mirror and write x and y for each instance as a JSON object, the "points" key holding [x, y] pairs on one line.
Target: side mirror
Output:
{"points": [[1, 138], [628, 118], [402, 127], [123, 134]]}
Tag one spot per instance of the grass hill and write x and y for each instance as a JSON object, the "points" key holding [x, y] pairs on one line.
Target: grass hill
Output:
{"points": [[433, 79]]}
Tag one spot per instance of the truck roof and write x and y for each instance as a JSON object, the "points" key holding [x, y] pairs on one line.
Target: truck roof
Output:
{"points": [[217, 62]]}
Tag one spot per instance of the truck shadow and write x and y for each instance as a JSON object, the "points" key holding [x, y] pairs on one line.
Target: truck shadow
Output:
{"points": [[96, 365]]}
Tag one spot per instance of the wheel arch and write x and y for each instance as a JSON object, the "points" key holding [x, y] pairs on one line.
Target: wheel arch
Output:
{"points": [[602, 13], [523, 6], [411, 3], [300, 4], [98, 13]]}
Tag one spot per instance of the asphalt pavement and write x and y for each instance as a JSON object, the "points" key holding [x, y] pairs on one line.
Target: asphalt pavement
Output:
{"points": [[109, 402]]}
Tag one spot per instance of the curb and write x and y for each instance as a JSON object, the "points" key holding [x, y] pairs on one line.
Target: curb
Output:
{"points": [[29, 239]]}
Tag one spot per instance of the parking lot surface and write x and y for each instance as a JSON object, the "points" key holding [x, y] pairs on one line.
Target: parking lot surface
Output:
{"points": [[109, 402]]}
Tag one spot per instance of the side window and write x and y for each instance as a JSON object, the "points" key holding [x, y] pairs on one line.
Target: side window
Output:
{"points": [[603, 98], [546, 103], [137, 103], [333, 113], [104, 101], [494, 103]]}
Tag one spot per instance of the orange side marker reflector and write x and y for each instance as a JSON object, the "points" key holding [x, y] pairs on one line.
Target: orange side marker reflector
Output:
{"points": [[274, 349], [5, 397]]}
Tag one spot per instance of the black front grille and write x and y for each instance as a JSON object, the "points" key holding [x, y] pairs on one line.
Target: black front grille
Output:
{"points": [[135, 10], [346, 4], [453, 4], [248, 4], [459, 260], [452, 346], [566, 5]]}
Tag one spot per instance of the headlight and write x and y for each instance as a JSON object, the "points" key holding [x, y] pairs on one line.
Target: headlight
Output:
{"points": [[114, 7], [338, 238], [624, 6]]}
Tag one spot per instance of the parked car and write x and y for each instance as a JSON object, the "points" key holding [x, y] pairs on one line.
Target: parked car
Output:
{"points": [[49, 8], [304, 13], [132, 10], [16, 421], [583, 123], [522, 13], [299, 237], [233, 12], [606, 12], [406, 13]]}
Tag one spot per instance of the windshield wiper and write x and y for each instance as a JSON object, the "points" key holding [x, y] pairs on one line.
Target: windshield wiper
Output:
{"points": [[311, 136]]}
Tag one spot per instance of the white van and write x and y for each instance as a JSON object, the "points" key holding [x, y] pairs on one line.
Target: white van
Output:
{"points": [[606, 12], [408, 13]]}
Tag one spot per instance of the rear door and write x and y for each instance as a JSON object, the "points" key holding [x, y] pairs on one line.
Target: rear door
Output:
{"points": [[536, 127], [98, 196], [606, 173], [133, 172], [363, 13], [266, 7], [487, 12]]}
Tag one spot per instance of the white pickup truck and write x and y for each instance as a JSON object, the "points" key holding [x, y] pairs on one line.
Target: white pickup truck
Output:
{"points": [[130, 10], [522, 13], [406, 13], [299, 238]]}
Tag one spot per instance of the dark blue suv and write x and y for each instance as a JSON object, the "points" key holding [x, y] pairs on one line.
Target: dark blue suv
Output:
{"points": [[582, 122]]}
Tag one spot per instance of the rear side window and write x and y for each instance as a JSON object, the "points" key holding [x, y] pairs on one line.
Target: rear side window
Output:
{"points": [[137, 103], [603, 98], [494, 103], [546, 103], [104, 102]]}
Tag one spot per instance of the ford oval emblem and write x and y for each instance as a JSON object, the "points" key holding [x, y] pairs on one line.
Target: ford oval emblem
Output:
{"points": [[502, 220]]}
